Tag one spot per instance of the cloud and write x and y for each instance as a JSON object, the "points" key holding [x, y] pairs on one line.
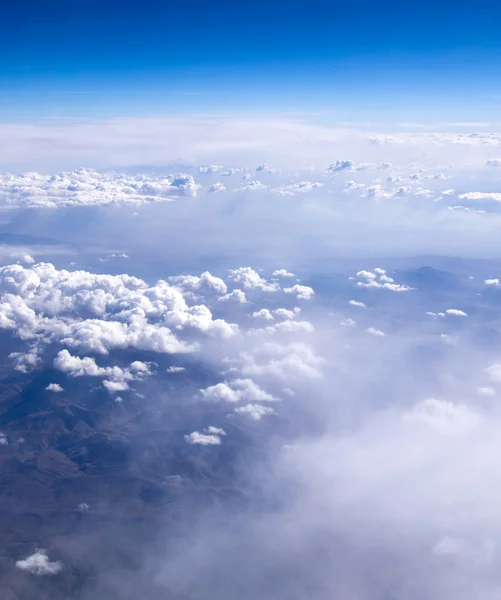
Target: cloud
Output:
{"points": [[376, 332], [85, 187], [455, 312], [100, 313], [238, 390], [357, 303], [379, 280], [54, 387], [254, 411], [217, 187], [303, 292], [38, 563], [211, 436]]}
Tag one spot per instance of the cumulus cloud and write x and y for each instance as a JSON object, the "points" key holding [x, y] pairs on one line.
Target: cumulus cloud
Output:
{"points": [[380, 280], [38, 563], [211, 436], [455, 312], [85, 187], [238, 390], [99, 313], [54, 387], [303, 292]]}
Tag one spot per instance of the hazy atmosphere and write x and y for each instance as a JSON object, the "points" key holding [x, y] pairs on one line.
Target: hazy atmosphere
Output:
{"points": [[250, 300]]}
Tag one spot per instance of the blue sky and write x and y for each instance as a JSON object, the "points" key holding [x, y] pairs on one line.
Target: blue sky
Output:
{"points": [[112, 58]]}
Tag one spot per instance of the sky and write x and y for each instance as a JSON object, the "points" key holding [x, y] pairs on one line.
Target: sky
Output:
{"points": [[422, 60]]}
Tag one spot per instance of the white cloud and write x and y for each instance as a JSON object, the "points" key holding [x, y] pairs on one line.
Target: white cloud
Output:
{"points": [[301, 187], [211, 436], [251, 279], [379, 280], [357, 303], [263, 313], [86, 187], [38, 563], [54, 387], [238, 390], [376, 332], [235, 296], [494, 162], [455, 312], [282, 273], [217, 187], [303, 292]]}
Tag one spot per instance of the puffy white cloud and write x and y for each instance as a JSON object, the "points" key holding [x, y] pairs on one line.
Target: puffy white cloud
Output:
{"points": [[116, 378], [303, 292], [379, 280], [99, 313], [235, 296], [357, 303], [455, 312], [38, 563], [211, 436], [86, 187], [347, 165], [492, 282], [251, 279], [54, 387], [238, 390], [264, 313], [282, 273]]}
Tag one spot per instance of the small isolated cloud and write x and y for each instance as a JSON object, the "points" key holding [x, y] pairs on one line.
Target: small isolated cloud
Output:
{"points": [[211, 436], [174, 369], [238, 390], [456, 312], [356, 303], [38, 563], [494, 162], [376, 332], [54, 387], [283, 273]]}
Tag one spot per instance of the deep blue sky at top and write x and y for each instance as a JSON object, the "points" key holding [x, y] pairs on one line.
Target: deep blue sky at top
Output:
{"points": [[79, 57]]}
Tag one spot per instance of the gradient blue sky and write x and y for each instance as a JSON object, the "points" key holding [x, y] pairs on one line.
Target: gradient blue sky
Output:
{"points": [[351, 59]]}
